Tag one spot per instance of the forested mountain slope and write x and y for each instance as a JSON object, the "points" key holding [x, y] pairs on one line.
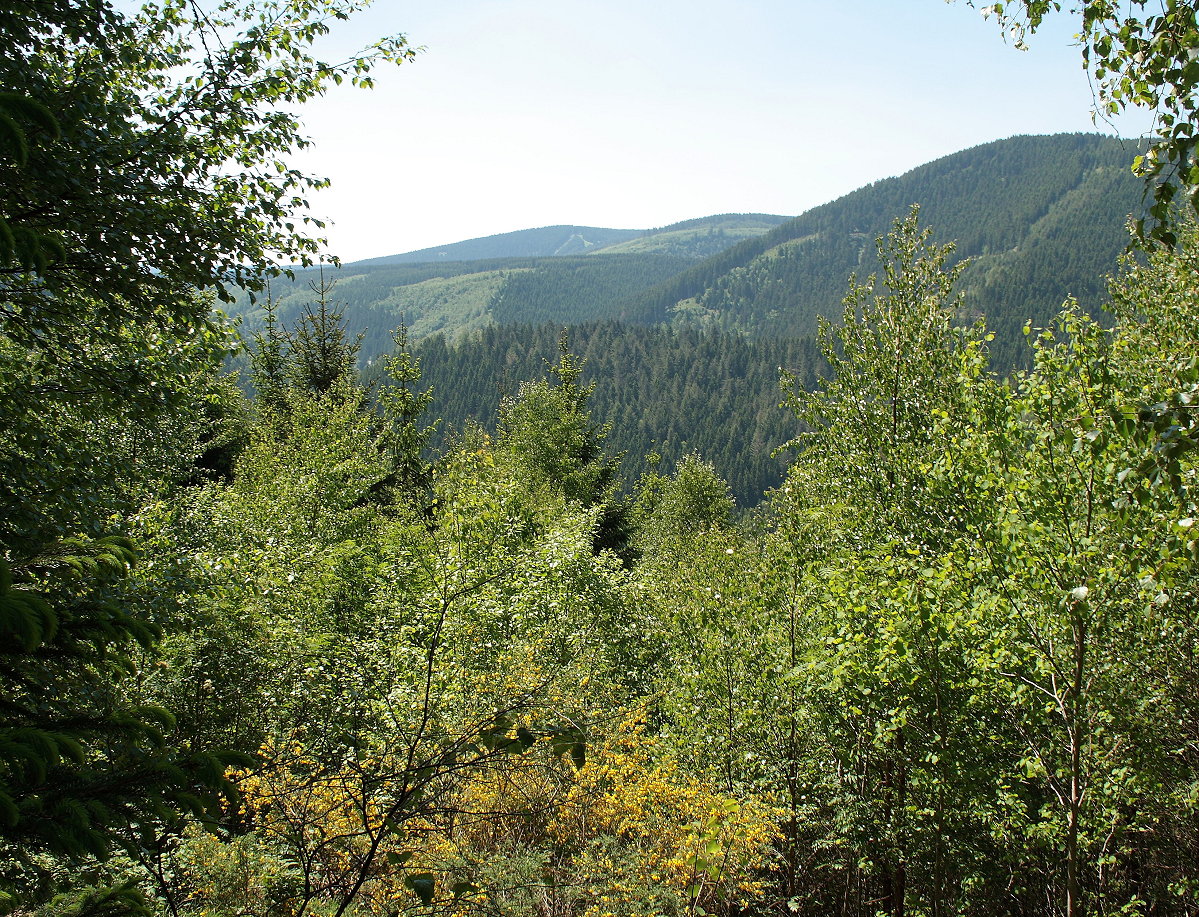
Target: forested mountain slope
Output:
{"points": [[1040, 218], [532, 275], [462, 296], [671, 392]]}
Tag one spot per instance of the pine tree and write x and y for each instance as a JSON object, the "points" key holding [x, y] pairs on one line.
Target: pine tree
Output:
{"points": [[404, 438], [322, 355], [550, 434]]}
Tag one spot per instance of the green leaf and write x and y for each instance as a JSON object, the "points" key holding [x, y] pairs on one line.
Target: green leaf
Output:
{"points": [[423, 885]]}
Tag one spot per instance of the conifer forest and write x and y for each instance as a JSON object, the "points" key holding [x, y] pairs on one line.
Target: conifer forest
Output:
{"points": [[658, 605]]}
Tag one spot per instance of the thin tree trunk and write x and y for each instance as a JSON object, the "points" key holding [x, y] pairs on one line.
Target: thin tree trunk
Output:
{"points": [[1076, 728], [899, 877]]}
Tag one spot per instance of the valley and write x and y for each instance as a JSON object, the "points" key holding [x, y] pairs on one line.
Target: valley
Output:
{"points": [[1035, 220]]}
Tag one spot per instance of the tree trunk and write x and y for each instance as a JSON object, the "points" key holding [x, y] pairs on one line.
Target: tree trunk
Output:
{"points": [[1076, 731]]}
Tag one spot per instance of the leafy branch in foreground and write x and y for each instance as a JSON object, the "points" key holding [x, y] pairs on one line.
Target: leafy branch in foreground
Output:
{"points": [[82, 768], [1137, 59], [163, 168]]}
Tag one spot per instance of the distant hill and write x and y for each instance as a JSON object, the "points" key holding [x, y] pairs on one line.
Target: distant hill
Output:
{"points": [[457, 297], [534, 275], [697, 239], [547, 242], [690, 239]]}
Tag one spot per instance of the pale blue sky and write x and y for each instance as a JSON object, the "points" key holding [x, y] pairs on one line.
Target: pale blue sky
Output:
{"points": [[641, 113]]}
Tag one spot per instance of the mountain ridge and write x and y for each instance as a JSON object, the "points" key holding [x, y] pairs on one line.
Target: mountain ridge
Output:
{"points": [[685, 353], [559, 240]]}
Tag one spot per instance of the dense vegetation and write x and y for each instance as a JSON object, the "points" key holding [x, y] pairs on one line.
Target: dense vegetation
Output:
{"points": [[265, 658], [663, 393], [948, 665]]}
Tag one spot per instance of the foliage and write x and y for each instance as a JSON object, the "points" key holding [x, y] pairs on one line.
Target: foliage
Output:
{"points": [[321, 352], [874, 655], [550, 434], [141, 161], [1156, 306], [986, 623], [692, 501], [83, 767], [547, 432], [313, 357], [403, 409], [1075, 573], [629, 832], [375, 655], [892, 361], [1136, 59], [237, 875], [152, 108], [94, 429], [649, 830]]}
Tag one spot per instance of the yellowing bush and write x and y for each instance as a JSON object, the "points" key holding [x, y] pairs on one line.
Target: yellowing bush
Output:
{"points": [[638, 822], [630, 833], [327, 821]]}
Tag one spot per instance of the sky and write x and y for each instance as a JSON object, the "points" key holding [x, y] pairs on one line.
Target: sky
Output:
{"points": [[636, 114]]}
